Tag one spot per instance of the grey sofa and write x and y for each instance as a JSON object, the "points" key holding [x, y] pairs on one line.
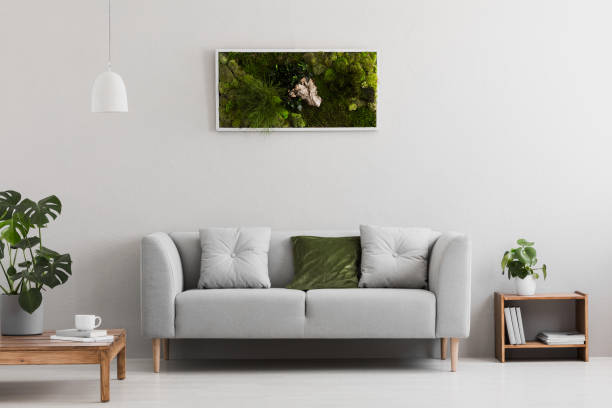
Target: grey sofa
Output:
{"points": [[173, 308]]}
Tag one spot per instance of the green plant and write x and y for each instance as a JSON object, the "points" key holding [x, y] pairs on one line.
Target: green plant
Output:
{"points": [[521, 262], [254, 89], [28, 266], [258, 104]]}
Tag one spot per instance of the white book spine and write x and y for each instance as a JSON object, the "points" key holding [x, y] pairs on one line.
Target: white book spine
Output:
{"points": [[519, 317], [515, 326], [509, 326]]}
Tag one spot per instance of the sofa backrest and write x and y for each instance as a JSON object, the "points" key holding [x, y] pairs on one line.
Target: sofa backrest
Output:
{"points": [[280, 257]]}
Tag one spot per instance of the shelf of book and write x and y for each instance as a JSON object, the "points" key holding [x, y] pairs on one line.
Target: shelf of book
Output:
{"points": [[582, 319], [534, 344], [547, 296]]}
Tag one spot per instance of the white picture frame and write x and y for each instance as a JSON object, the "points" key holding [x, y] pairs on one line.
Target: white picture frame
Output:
{"points": [[306, 129]]}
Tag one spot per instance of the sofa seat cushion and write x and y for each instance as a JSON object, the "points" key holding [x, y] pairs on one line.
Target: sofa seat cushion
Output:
{"points": [[240, 313], [370, 313]]}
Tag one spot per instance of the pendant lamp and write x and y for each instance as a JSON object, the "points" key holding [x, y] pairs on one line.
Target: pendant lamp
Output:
{"points": [[108, 93]]}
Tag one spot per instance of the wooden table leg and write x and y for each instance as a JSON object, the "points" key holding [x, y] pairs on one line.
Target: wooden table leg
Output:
{"points": [[121, 364], [104, 377]]}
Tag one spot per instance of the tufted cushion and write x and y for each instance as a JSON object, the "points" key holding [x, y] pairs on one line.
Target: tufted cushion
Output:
{"points": [[393, 257], [234, 258], [325, 262]]}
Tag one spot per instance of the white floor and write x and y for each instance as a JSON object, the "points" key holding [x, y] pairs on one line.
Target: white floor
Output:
{"points": [[319, 383]]}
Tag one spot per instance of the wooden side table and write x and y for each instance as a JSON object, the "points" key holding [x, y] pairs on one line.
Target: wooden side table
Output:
{"points": [[582, 323], [42, 350]]}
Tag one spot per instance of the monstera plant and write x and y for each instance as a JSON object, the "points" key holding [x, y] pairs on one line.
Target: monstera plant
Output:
{"points": [[29, 267]]}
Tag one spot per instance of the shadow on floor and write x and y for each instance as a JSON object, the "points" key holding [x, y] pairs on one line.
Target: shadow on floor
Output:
{"points": [[180, 365]]}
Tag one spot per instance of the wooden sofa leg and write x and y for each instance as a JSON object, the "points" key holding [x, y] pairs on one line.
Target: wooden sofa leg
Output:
{"points": [[443, 348], [166, 346], [454, 353], [156, 352]]}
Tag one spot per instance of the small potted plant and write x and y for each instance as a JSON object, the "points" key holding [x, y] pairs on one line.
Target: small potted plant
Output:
{"points": [[28, 266], [521, 264]]}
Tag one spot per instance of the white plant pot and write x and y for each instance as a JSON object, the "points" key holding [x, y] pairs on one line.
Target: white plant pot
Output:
{"points": [[525, 287]]}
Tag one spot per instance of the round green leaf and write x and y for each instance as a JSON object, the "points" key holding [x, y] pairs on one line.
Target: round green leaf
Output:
{"points": [[516, 269], [524, 242], [523, 257], [531, 253], [505, 260]]}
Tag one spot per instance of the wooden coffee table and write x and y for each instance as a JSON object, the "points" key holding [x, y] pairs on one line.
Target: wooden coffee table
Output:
{"points": [[41, 349]]}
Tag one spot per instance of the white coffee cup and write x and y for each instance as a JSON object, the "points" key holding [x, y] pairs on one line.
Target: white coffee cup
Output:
{"points": [[87, 322]]}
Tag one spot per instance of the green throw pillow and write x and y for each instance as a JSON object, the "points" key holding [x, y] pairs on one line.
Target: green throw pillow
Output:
{"points": [[322, 263]]}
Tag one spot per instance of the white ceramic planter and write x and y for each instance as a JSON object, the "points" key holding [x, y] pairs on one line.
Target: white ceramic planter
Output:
{"points": [[16, 321], [525, 287]]}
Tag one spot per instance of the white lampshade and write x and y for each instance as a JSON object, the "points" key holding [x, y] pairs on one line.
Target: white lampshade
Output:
{"points": [[108, 93]]}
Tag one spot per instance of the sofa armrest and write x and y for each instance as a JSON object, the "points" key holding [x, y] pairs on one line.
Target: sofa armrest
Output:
{"points": [[161, 279], [450, 280]]}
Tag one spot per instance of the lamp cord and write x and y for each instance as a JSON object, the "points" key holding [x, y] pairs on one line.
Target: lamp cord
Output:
{"points": [[109, 34]]}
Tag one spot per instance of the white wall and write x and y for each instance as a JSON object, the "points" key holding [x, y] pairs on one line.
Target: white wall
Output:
{"points": [[493, 120]]}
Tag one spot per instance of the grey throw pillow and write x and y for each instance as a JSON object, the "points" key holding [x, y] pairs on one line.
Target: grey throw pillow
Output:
{"points": [[393, 257], [234, 258]]}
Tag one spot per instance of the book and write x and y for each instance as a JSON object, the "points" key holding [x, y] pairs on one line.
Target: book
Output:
{"points": [[519, 317], [561, 337], [572, 334], [560, 342], [104, 339], [80, 333], [509, 326], [515, 326]]}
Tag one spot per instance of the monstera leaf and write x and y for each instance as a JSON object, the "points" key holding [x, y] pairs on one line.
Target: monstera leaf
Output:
{"points": [[15, 228], [39, 213], [51, 268], [8, 201], [30, 299], [39, 268], [26, 243]]}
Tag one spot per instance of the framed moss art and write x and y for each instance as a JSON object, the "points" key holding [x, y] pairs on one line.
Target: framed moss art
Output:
{"points": [[296, 90]]}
